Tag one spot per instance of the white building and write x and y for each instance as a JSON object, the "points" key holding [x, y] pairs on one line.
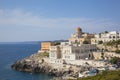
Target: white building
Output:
{"points": [[55, 52], [77, 52], [105, 37], [71, 52]]}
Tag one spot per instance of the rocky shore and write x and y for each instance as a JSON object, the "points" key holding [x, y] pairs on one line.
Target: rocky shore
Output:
{"points": [[37, 64]]}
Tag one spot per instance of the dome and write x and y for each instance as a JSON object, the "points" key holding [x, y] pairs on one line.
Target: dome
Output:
{"points": [[78, 29]]}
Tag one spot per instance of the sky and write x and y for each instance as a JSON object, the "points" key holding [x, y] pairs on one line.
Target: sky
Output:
{"points": [[42, 20]]}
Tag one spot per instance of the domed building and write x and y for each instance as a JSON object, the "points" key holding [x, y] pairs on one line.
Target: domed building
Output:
{"points": [[78, 30], [80, 37], [73, 50]]}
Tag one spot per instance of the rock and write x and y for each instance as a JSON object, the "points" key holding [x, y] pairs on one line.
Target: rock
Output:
{"points": [[36, 65]]}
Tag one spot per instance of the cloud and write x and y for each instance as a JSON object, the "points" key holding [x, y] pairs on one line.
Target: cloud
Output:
{"points": [[14, 25], [24, 18]]}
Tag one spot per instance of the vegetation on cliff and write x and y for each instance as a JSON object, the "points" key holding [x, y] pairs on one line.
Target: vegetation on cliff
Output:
{"points": [[113, 43], [117, 51], [114, 60], [105, 75], [45, 54]]}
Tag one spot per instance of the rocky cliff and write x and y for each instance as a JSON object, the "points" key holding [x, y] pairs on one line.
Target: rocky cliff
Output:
{"points": [[37, 64]]}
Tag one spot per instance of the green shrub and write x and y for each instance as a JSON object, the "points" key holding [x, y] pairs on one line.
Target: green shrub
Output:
{"points": [[100, 42], [114, 60], [85, 42], [105, 75], [117, 51], [46, 54]]}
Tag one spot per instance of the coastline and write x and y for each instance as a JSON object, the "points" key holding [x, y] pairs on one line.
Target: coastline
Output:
{"points": [[37, 64]]}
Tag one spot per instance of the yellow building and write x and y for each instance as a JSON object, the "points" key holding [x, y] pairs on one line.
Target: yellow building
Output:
{"points": [[81, 40], [80, 37], [45, 46]]}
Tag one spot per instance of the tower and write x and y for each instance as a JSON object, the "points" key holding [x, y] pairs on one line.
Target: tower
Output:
{"points": [[78, 32]]}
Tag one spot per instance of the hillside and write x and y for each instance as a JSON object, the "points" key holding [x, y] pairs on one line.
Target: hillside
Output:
{"points": [[106, 75]]}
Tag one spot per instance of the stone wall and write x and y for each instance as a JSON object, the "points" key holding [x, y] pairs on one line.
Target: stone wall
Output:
{"points": [[86, 63], [97, 55]]}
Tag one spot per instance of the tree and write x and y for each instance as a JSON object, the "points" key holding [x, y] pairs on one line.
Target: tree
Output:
{"points": [[46, 54], [114, 60], [117, 43], [113, 43], [106, 31], [100, 42], [117, 51], [57, 43], [85, 42], [102, 55]]}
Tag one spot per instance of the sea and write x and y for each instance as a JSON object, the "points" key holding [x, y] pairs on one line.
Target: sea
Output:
{"points": [[11, 52]]}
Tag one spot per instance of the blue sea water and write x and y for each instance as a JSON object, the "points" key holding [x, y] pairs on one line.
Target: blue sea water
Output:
{"points": [[9, 53]]}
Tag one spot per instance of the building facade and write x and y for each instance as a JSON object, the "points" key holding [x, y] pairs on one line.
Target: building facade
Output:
{"points": [[55, 52], [105, 37], [80, 37], [72, 52], [45, 46]]}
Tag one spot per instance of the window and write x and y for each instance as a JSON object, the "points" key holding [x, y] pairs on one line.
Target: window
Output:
{"points": [[113, 36], [67, 57], [52, 55], [76, 51], [109, 36]]}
